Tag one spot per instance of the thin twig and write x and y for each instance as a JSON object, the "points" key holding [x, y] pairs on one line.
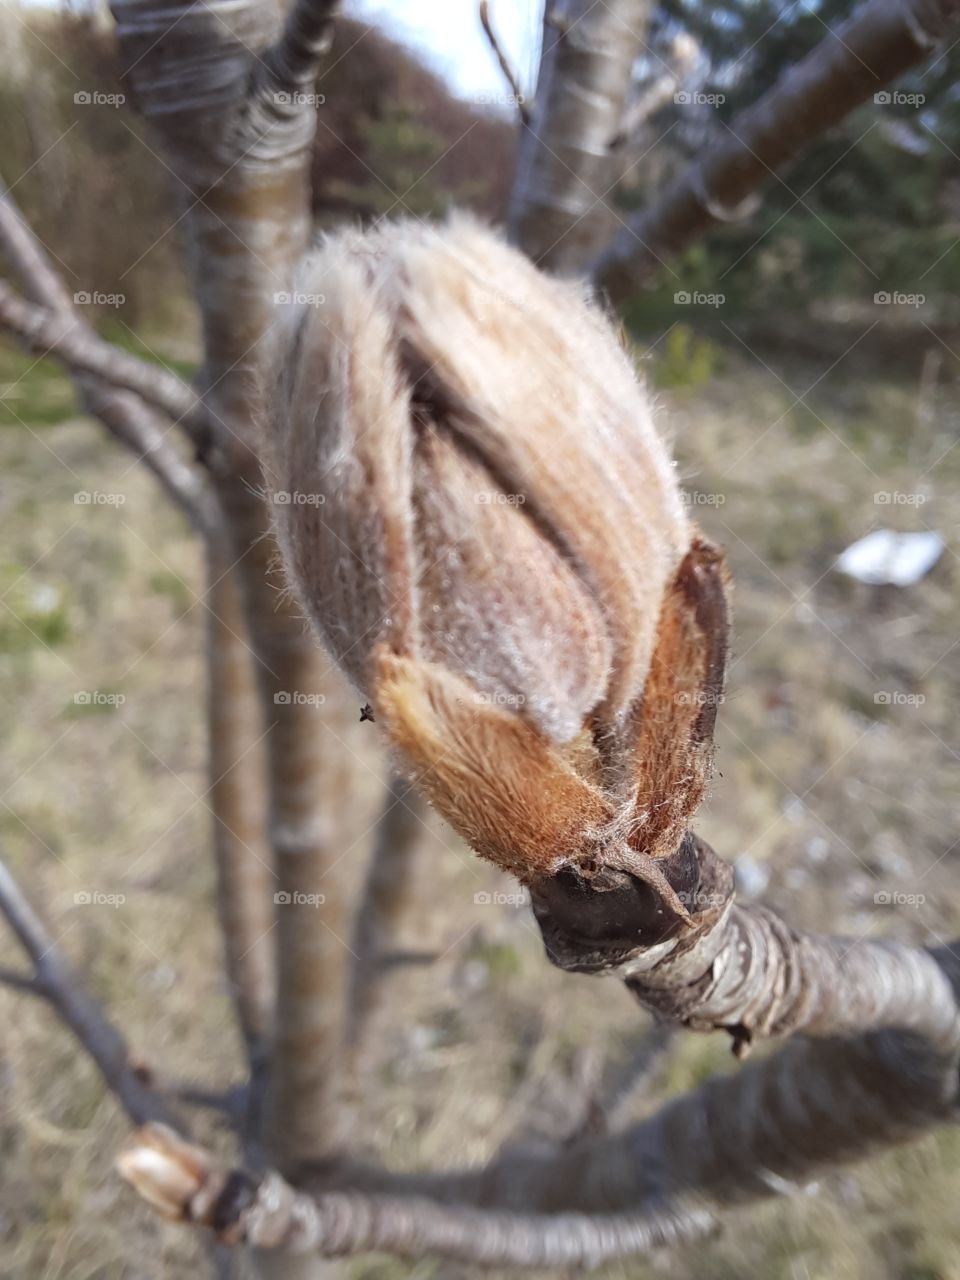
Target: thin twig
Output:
{"points": [[239, 806], [74, 343], [56, 982], [525, 108], [657, 92], [639, 112], [27, 257], [229, 1102], [135, 425], [21, 982], [385, 901], [123, 413]]}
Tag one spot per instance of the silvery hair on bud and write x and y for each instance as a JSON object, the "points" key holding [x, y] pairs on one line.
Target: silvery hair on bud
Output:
{"points": [[474, 473]]}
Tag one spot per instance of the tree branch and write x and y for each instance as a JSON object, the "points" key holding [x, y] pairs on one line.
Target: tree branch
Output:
{"points": [[509, 73], [135, 425], [658, 91], [739, 1138], [57, 984], [566, 164], [70, 340], [740, 968], [880, 41], [293, 61], [239, 805], [21, 982], [385, 903], [124, 414], [182, 1182], [654, 96], [27, 257], [245, 155]]}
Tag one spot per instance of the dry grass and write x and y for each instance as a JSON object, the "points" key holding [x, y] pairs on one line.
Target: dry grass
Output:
{"points": [[826, 793]]}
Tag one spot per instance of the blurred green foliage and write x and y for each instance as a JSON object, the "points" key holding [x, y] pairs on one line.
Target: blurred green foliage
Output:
{"points": [[32, 390], [684, 361]]}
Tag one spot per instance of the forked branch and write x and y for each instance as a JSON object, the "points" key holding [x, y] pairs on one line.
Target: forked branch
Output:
{"points": [[136, 425], [127, 416], [879, 42], [67, 338], [743, 1137]]}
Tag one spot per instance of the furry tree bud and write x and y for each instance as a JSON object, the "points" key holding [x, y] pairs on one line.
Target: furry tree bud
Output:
{"points": [[482, 523]]}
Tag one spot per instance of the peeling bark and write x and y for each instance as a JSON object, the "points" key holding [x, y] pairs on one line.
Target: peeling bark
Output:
{"points": [[567, 162]]}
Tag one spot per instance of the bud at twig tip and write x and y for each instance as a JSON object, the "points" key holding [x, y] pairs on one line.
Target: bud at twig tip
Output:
{"points": [[164, 1169]]}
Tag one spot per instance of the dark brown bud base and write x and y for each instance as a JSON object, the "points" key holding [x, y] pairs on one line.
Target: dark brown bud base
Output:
{"points": [[593, 924]]}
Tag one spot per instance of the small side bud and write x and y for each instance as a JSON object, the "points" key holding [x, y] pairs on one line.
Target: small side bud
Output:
{"points": [[166, 1171]]}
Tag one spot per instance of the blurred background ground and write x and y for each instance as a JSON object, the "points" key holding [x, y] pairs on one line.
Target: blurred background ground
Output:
{"points": [[837, 746]]}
